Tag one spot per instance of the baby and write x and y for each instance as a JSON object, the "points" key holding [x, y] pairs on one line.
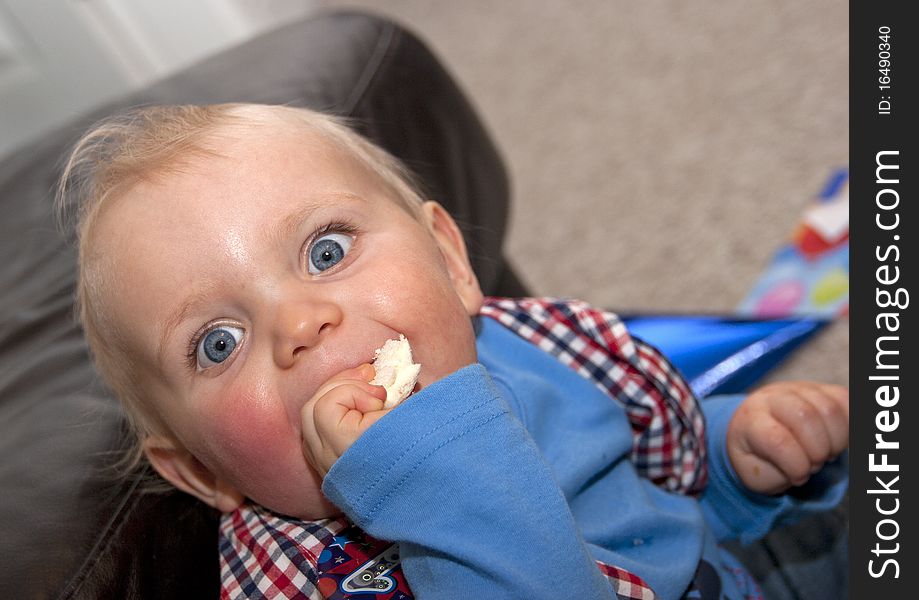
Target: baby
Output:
{"points": [[239, 266]]}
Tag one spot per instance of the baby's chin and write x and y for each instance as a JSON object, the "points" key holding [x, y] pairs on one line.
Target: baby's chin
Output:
{"points": [[329, 512], [297, 497], [317, 511]]}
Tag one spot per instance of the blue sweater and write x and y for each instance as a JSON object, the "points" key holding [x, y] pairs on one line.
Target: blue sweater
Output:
{"points": [[510, 479]]}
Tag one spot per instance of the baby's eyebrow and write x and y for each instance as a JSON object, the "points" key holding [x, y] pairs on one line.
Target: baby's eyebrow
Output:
{"points": [[291, 223], [177, 317]]}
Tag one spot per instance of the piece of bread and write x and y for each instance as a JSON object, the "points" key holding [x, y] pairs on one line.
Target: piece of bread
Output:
{"points": [[395, 370]]}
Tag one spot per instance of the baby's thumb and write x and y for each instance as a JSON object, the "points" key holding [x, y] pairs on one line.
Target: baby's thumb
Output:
{"points": [[761, 476]]}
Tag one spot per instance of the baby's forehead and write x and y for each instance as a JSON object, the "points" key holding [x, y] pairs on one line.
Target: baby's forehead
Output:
{"points": [[264, 140], [294, 152], [267, 144]]}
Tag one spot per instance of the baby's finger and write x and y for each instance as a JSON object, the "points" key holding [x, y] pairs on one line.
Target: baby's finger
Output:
{"points": [[801, 417], [359, 376], [367, 419], [355, 396], [832, 403], [761, 476], [363, 372], [774, 443], [840, 396], [339, 415], [372, 399]]}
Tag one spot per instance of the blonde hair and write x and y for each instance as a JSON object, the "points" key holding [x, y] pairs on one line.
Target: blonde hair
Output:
{"points": [[150, 142]]}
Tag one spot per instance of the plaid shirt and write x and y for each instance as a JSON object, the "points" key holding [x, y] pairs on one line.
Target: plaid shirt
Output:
{"points": [[266, 556]]}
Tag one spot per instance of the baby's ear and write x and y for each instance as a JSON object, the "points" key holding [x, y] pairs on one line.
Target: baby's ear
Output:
{"points": [[179, 467], [453, 248]]}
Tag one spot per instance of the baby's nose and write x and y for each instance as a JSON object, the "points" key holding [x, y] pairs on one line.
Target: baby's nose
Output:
{"points": [[302, 326]]}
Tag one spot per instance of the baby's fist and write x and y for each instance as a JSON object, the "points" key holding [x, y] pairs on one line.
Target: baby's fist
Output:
{"points": [[784, 432], [338, 413]]}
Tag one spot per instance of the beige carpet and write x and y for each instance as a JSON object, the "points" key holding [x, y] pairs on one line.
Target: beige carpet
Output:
{"points": [[659, 152]]}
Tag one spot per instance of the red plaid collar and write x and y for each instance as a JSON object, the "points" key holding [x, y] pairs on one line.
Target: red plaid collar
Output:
{"points": [[668, 428], [263, 555]]}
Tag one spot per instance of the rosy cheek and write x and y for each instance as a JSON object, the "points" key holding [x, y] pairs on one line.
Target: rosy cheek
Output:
{"points": [[247, 433]]}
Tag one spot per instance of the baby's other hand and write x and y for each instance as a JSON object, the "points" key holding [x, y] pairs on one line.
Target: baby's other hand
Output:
{"points": [[784, 432], [340, 411]]}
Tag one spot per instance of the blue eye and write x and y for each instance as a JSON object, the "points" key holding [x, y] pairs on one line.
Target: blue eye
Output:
{"points": [[218, 345], [327, 251]]}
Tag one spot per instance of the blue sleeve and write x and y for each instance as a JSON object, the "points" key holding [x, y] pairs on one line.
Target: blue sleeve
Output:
{"points": [[454, 478], [733, 511]]}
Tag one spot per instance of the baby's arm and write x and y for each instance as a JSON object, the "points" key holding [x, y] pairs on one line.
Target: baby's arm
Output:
{"points": [[785, 432], [455, 479]]}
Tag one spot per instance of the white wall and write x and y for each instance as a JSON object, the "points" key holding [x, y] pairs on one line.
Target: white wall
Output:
{"points": [[59, 58]]}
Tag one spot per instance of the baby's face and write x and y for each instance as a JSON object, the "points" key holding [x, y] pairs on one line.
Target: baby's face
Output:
{"points": [[246, 281]]}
